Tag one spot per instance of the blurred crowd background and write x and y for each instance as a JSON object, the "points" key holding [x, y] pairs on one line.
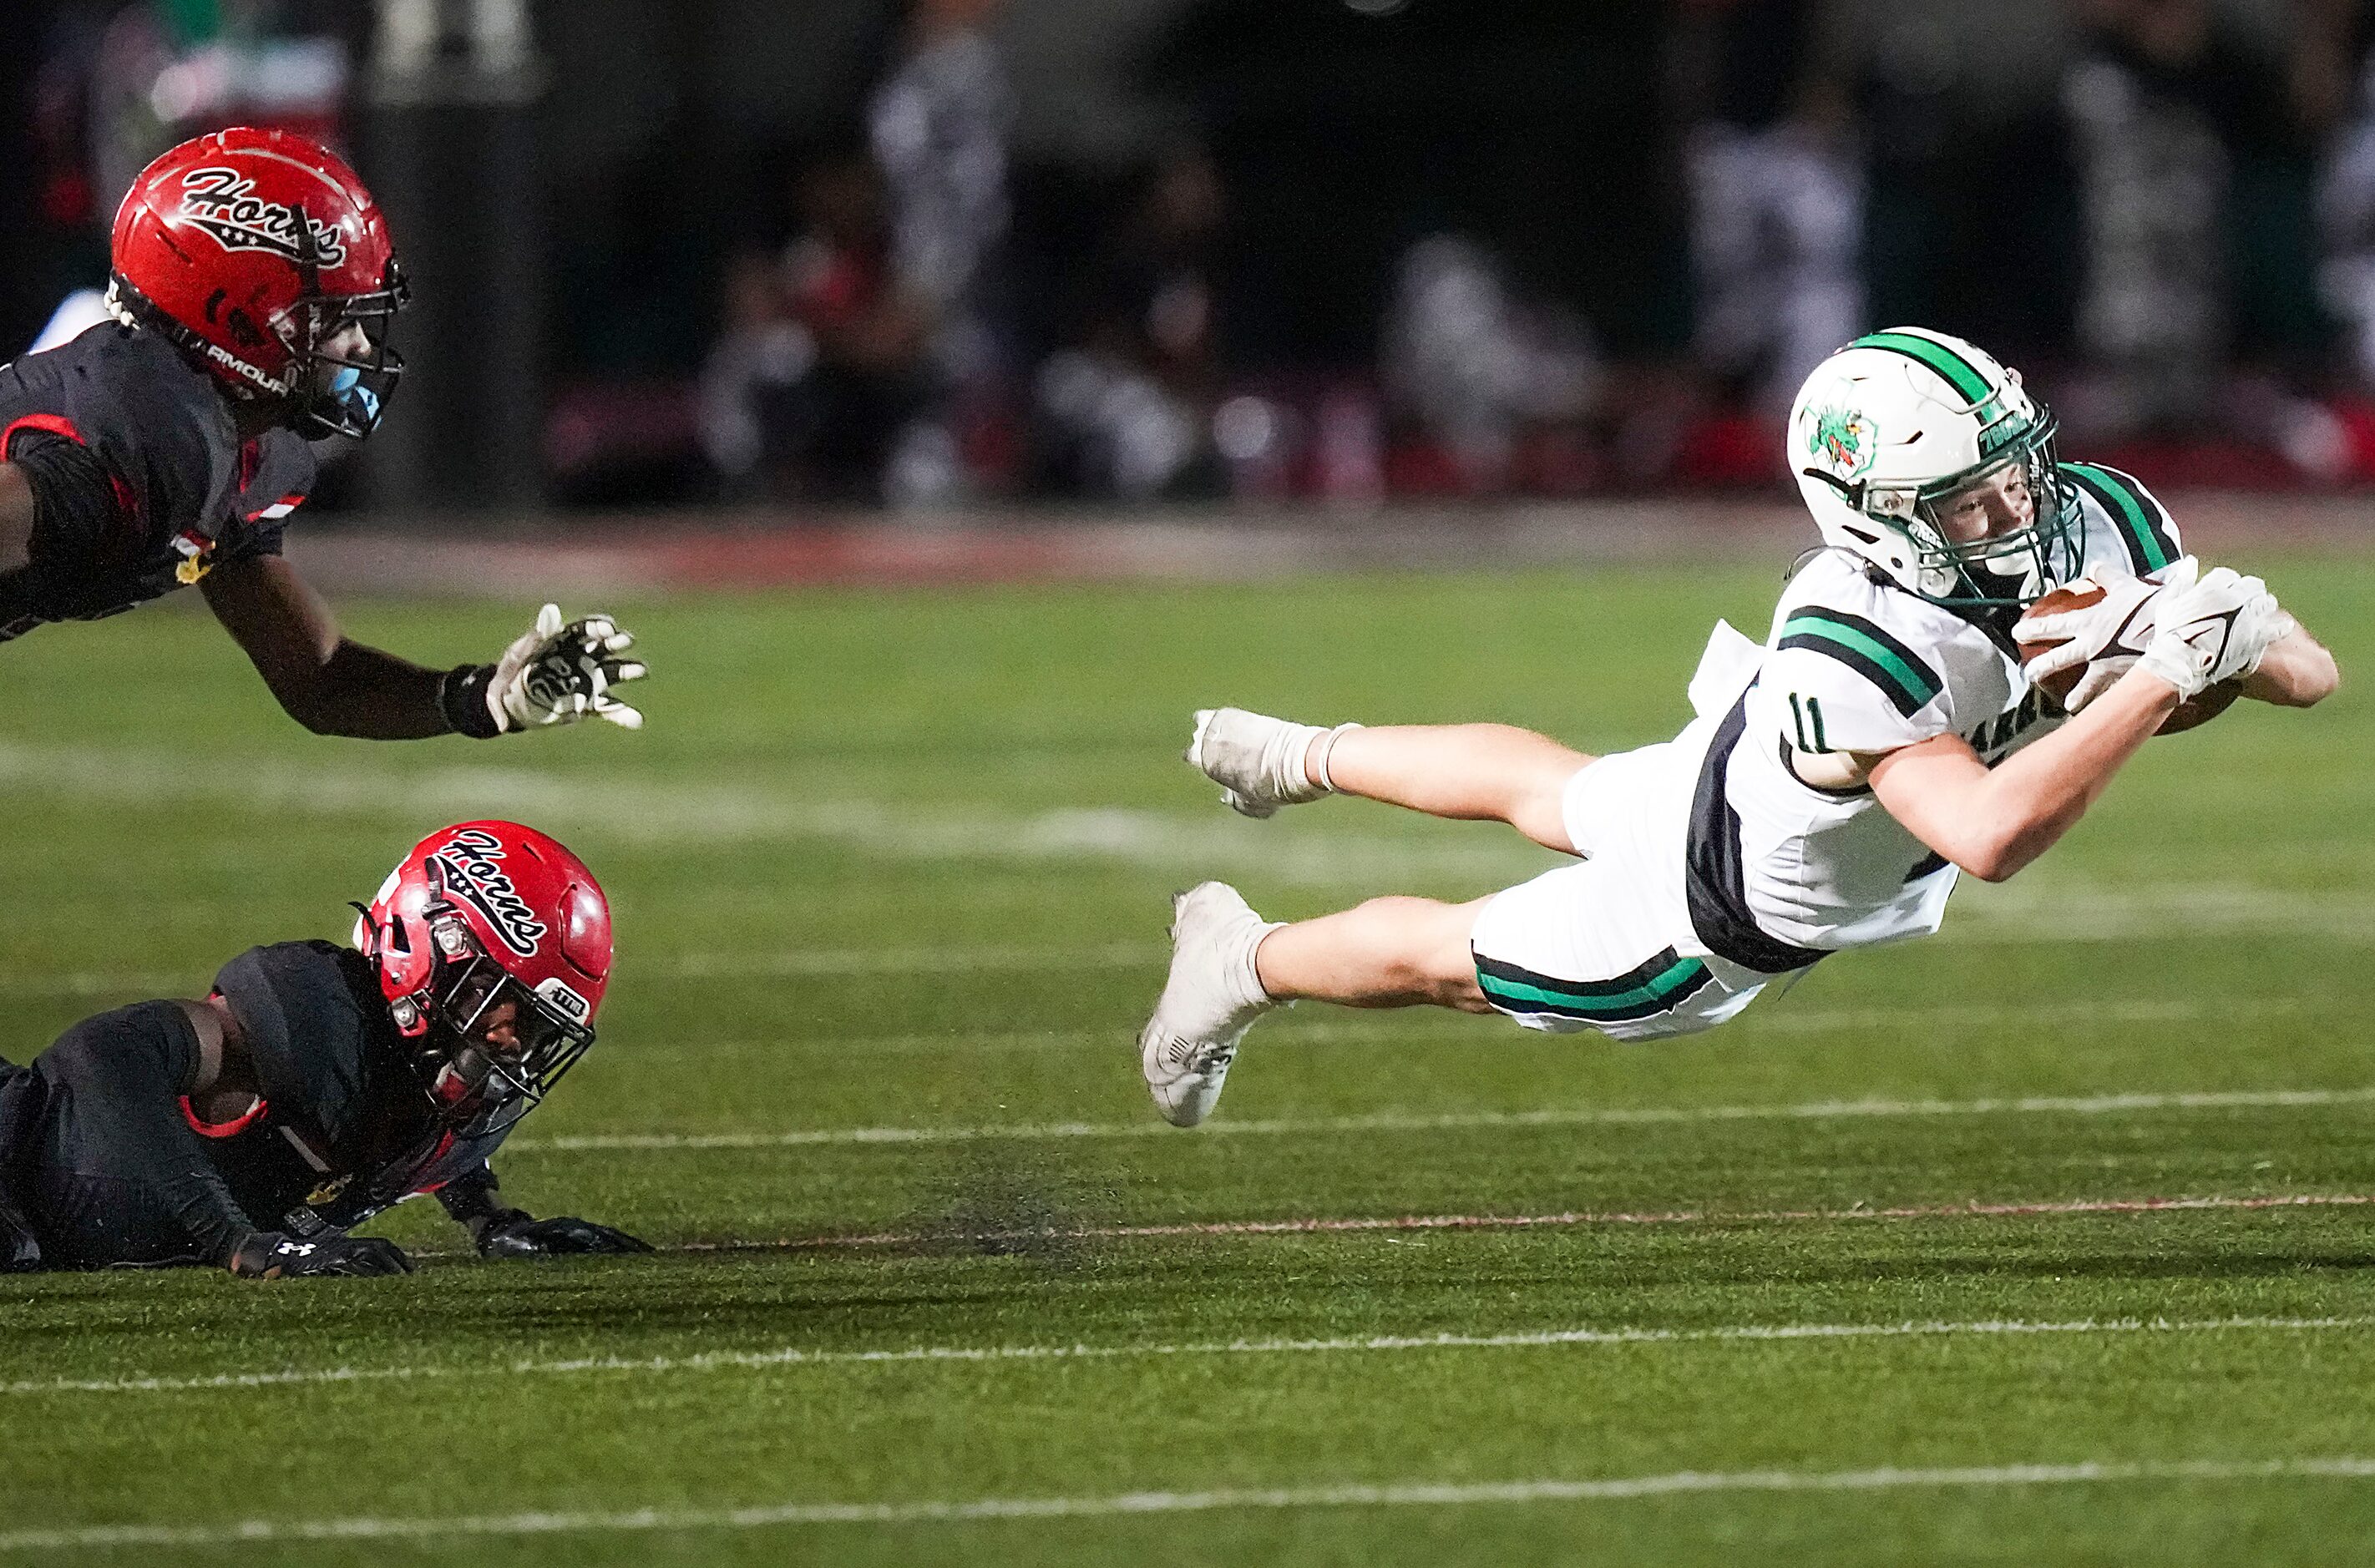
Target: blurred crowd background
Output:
{"points": [[917, 253]]}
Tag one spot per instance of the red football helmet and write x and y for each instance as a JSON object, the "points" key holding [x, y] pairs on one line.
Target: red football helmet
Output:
{"points": [[492, 944], [262, 257]]}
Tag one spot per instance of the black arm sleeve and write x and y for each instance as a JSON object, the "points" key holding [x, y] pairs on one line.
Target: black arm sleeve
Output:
{"points": [[473, 1198], [462, 698], [123, 1080], [76, 516]]}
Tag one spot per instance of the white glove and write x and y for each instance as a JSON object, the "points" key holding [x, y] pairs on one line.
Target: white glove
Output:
{"points": [[2101, 677], [2107, 636], [556, 673], [2215, 630]]}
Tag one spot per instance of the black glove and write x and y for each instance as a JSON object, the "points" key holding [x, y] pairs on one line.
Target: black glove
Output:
{"points": [[511, 1233], [269, 1254]]}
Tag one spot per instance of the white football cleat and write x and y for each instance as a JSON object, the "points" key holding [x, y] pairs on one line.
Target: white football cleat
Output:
{"points": [[1257, 761], [1213, 998]]}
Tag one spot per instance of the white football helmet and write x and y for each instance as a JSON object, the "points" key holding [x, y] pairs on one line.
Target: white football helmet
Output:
{"points": [[1898, 422]]}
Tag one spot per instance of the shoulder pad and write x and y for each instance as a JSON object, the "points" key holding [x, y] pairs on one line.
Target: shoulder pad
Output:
{"points": [[308, 1028], [1900, 675], [2146, 537]]}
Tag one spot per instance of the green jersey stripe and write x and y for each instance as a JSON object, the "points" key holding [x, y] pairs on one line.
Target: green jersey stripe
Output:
{"points": [[2144, 526], [1654, 994], [1828, 632], [1959, 373]]}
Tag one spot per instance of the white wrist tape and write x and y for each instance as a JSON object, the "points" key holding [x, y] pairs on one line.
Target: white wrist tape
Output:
{"points": [[1327, 749]]}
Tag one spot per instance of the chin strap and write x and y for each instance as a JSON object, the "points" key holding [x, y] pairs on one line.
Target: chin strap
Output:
{"points": [[133, 309], [1851, 494]]}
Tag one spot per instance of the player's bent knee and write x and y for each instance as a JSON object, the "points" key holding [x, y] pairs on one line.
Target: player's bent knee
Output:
{"points": [[1445, 972], [1535, 802], [1541, 814], [1462, 994]]}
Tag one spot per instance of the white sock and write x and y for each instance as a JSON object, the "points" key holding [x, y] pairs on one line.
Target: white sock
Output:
{"points": [[1244, 974], [1284, 756]]}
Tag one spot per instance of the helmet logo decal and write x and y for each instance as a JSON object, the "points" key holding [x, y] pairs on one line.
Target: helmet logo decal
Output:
{"points": [[469, 864], [2002, 433], [223, 203], [1843, 439]]}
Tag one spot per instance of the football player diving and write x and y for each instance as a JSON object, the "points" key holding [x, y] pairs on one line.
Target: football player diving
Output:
{"points": [[317, 1084], [253, 291], [1837, 780]]}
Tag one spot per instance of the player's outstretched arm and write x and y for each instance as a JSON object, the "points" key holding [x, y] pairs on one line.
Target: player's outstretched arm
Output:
{"points": [[327, 682], [333, 685], [1993, 821], [2296, 672]]}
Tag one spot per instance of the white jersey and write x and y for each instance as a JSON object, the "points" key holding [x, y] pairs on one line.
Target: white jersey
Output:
{"points": [[1779, 871]]}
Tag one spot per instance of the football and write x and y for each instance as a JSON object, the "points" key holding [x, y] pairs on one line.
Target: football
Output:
{"points": [[2201, 709], [2075, 596], [2191, 712]]}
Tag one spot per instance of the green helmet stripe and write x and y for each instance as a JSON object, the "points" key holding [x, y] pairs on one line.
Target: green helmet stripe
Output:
{"points": [[1959, 373], [2142, 523]]}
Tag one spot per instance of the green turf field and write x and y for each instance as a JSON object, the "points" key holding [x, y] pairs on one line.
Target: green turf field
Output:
{"points": [[1859, 1278]]}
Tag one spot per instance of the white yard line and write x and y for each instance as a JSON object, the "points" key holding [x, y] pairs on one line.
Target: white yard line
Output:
{"points": [[1493, 1034], [2070, 1020], [717, 1360], [1418, 1493], [1150, 955], [644, 808], [1397, 1122], [1309, 1225], [1335, 850], [2053, 900], [703, 965], [95, 982]]}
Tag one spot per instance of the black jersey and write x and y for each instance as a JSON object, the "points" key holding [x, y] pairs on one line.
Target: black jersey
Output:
{"points": [[141, 483], [110, 1166]]}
